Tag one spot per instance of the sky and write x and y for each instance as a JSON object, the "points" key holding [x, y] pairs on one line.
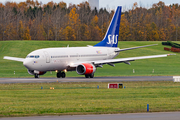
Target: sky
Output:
{"points": [[111, 4]]}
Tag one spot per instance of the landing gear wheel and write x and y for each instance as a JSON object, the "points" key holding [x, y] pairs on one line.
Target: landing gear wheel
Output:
{"points": [[36, 76], [61, 74], [86, 76], [91, 75], [58, 74]]}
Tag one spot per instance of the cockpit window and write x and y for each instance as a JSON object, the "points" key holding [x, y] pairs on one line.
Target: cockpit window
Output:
{"points": [[37, 56], [32, 56]]}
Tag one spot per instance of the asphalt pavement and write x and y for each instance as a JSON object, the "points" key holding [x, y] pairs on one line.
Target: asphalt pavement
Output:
{"points": [[82, 79], [129, 116]]}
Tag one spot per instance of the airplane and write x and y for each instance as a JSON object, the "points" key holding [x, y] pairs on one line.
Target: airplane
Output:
{"points": [[83, 60]]}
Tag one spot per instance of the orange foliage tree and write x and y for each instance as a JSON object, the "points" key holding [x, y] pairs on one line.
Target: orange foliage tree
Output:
{"points": [[55, 21]]}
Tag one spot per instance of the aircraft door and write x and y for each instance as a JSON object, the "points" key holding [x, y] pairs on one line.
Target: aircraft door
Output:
{"points": [[47, 57], [110, 54]]}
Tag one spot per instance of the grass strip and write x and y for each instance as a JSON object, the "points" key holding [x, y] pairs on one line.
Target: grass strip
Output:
{"points": [[28, 99]]}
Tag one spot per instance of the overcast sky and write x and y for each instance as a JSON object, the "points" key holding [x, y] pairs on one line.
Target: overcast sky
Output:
{"points": [[112, 4]]}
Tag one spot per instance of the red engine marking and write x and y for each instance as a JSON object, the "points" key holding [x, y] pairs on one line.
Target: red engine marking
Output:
{"points": [[89, 68]]}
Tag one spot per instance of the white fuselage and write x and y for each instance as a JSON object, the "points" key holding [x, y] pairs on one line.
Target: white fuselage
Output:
{"points": [[51, 59]]}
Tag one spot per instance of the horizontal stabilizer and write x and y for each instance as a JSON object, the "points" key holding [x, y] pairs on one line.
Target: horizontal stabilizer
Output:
{"points": [[135, 47], [14, 58]]}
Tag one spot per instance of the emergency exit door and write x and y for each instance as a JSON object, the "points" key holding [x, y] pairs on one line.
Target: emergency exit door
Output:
{"points": [[47, 57]]}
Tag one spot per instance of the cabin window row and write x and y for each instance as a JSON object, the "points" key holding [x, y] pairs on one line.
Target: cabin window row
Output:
{"points": [[92, 55], [59, 56]]}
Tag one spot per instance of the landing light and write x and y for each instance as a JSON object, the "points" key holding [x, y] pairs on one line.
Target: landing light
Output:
{"points": [[65, 70], [71, 64], [56, 71]]}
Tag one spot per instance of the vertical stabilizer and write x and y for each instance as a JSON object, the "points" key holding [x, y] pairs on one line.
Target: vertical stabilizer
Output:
{"points": [[112, 34]]}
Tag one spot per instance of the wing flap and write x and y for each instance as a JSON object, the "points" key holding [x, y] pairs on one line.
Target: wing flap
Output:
{"points": [[14, 58]]}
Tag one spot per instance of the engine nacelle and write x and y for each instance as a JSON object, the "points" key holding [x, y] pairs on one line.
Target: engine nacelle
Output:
{"points": [[33, 72], [85, 69]]}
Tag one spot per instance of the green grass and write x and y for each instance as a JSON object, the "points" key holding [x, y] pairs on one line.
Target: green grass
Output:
{"points": [[85, 98], [162, 66]]}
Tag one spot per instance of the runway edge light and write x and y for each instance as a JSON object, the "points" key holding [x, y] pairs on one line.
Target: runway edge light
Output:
{"points": [[51, 88]]}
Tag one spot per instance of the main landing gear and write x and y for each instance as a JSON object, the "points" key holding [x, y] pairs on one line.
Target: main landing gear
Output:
{"points": [[36, 76], [89, 76], [61, 74]]}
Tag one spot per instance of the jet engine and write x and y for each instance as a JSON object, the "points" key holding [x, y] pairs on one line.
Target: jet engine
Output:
{"points": [[33, 72], [85, 69]]}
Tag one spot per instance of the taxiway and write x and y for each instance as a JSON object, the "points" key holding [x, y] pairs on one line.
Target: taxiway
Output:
{"points": [[128, 116], [82, 79]]}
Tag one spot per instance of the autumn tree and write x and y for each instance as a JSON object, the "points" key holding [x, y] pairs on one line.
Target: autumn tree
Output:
{"points": [[124, 32], [55, 21], [74, 23], [95, 30]]}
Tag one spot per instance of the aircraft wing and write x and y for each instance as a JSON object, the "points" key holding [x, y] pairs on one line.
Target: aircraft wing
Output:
{"points": [[126, 60], [14, 58], [134, 48], [120, 60]]}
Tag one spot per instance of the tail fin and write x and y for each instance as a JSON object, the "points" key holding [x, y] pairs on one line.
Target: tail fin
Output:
{"points": [[112, 34]]}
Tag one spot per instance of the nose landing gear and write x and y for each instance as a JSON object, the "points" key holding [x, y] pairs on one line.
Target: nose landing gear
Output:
{"points": [[61, 74], [36, 76]]}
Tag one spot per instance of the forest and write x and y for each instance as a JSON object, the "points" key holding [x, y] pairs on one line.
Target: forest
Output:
{"points": [[32, 20]]}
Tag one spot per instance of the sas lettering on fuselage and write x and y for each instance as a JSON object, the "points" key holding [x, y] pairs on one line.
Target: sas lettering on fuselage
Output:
{"points": [[112, 39]]}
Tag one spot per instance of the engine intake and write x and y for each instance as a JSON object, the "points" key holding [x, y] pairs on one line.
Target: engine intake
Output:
{"points": [[85, 69]]}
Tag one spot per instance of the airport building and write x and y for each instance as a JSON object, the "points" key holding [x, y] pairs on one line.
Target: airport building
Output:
{"points": [[94, 4]]}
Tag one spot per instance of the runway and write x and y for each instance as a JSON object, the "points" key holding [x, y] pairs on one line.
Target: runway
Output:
{"points": [[82, 79], [129, 116]]}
